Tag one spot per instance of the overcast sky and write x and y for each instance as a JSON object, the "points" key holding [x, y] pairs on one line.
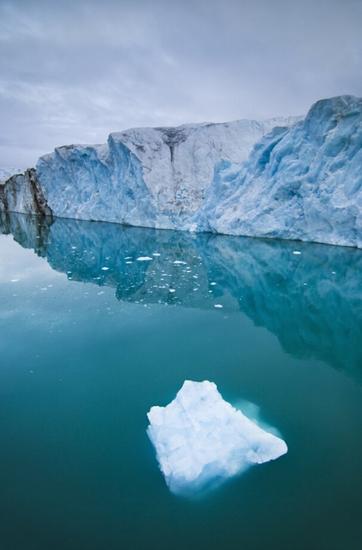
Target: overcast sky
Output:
{"points": [[73, 71]]}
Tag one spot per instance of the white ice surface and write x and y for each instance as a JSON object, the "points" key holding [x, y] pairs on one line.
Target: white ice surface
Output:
{"points": [[201, 440]]}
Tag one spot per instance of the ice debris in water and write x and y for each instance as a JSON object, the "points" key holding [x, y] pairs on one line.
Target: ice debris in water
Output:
{"points": [[144, 259], [202, 440]]}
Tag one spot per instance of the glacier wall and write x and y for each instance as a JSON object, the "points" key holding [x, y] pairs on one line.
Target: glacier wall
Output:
{"points": [[303, 182], [281, 178], [153, 177]]}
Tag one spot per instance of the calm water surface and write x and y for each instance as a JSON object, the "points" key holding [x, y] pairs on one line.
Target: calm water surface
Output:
{"points": [[91, 338]]}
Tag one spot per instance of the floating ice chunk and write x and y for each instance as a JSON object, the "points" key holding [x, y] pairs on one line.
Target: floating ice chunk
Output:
{"points": [[201, 440], [179, 262], [144, 259], [218, 306], [296, 252], [104, 268]]}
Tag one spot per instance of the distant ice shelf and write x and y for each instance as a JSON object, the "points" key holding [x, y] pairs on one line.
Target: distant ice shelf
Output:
{"points": [[201, 440]]}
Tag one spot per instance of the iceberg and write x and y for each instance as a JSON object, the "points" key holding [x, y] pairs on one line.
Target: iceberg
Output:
{"points": [[201, 440]]}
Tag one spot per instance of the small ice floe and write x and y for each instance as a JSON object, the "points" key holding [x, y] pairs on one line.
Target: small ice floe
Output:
{"points": [[105, 268], [100, 292], [144, 259], [129, 262], [172, 290], [202, 440], [213, 283], [156, 254], [218, 306], [296, 252], [179, 262], [14, 280]]}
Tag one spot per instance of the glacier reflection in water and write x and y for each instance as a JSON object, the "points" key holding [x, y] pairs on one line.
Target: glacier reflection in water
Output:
{"points": [[308, 295]]}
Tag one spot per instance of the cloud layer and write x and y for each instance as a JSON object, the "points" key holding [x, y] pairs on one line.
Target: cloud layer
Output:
{"points": [[74, 71]]}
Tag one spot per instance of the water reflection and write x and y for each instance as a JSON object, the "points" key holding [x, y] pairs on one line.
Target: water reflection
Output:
{"points": [[308, 295]]}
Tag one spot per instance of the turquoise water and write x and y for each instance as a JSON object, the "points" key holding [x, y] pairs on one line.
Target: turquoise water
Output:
{"points": [[85, 352]]}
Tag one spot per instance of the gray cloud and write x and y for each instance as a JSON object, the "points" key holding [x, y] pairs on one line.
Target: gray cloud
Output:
{"points": [[74, 71]]}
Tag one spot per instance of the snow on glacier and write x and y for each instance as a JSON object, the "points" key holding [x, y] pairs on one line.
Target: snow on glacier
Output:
{"points": [[303, 182], [202, 440]]}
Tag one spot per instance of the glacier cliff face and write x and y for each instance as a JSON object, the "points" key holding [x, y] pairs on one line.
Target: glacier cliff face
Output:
{"points": [[282, 178], [303, 182], [154, 177]]}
